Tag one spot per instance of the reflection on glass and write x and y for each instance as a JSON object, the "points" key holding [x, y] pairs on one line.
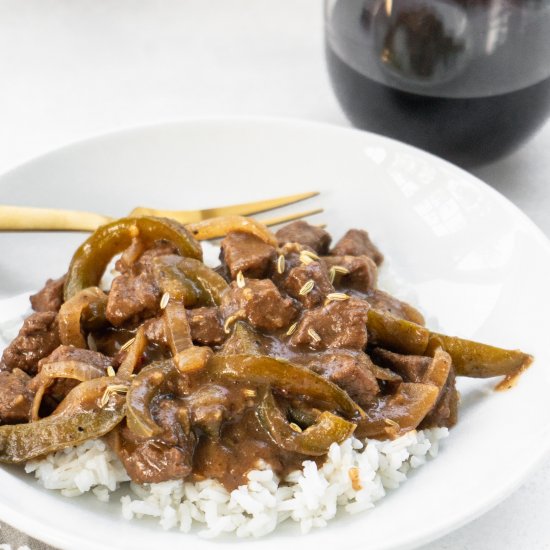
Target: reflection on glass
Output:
{"points": [[420, 43], [466, 79]]}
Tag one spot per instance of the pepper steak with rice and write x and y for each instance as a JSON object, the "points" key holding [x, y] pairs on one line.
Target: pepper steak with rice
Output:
{"points": [[194, 373]]}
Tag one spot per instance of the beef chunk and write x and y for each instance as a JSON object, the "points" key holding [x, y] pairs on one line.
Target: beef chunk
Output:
{"points": [[37, 338], [136, 257], [206, 326], [50, 297], [223, 271], [173, 416], [381, 300], [209, 406], [160, 248], [247, 253], [155, 332], [336, 325], [356, 242], [361, 276], [300, 275], [168, 456], [15, 397], [301, 232], [204, 322], [135, 293], [132, 295], [154, 462], [259, 302], [349, 371], [291, 253], [412, 368], [70, 353]]}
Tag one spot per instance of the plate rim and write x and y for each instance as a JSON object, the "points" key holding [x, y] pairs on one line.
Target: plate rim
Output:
{"points": [[269, 120], [452, 522]]}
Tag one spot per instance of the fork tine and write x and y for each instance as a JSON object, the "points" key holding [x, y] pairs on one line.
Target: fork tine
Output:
{"points": [[290, 217], [245, 209]]}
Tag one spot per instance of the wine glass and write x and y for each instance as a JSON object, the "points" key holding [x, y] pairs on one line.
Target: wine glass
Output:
{"points": [[468, 80]]}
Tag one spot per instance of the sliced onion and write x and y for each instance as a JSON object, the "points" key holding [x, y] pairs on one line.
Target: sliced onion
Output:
{"points": [[89, 395], [438, 370], [192, 359], [88, 303], [391, 416], [75, 370], [176, 325], [135, 351], [214, 228]]}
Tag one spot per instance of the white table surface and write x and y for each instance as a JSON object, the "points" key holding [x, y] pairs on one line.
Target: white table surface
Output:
{"points": [[71, 69]]}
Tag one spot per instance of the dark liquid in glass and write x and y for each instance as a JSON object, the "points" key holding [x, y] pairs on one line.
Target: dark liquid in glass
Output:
{"points": [[437, 78]]}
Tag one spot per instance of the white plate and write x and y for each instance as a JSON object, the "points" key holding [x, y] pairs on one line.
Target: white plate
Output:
{"points": [[476, 263]]}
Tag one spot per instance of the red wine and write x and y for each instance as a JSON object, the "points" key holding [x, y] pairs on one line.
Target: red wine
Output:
{"points": [[435, 90]]}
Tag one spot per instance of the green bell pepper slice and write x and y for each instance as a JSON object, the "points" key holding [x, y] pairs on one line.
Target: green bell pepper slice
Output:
{"points": [[92, 257], [315, 440]]}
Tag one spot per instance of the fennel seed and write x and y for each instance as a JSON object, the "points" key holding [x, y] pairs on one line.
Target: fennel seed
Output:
{"points": [[110, 390], [291, 329], [337, 269], [337, 297], [164, 300], [110, 371], [305, 259], [127, 344], [280, 264], [91, 342], [295, 427], [314, 336], [307, 288], [228, 322], [241, 283], [340, 269], [309, 254]]}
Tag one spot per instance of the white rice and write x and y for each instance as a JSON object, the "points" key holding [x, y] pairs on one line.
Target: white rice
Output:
{"points": [[311, 496]]}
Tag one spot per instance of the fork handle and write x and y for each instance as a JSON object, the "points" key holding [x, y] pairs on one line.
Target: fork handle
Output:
{"points": [[24, 218]]}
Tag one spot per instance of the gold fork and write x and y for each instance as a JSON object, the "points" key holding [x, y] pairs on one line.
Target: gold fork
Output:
{"points": [[23, 218]]}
